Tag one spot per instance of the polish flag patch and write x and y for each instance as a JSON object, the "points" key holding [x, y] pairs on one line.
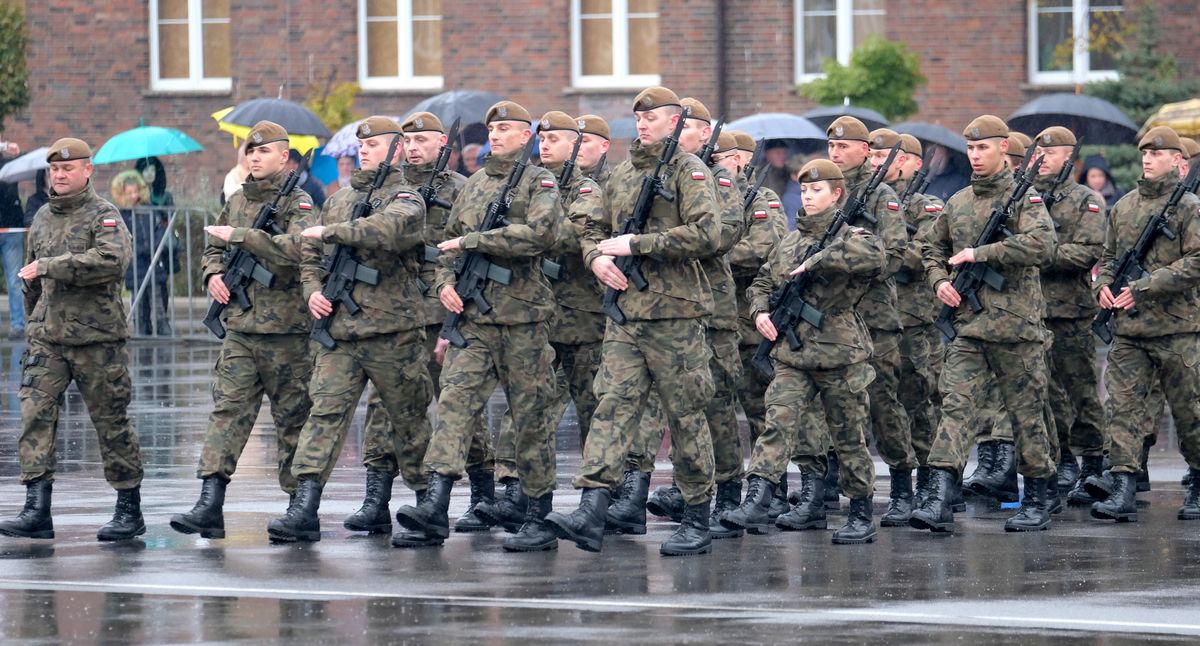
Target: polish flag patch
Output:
{"points": [[403, 196], [893, 205], [932, 208], [109, 222], [724, 181], [547, 183], [584, 190], [760, 215], [1094, 208], [774, 204], [304, 206], [698, 175], [1035, 199]]}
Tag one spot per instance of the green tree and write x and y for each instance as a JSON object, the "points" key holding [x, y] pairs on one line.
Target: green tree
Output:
{"points": [[334, 104], [14, 89], [882, 75]]}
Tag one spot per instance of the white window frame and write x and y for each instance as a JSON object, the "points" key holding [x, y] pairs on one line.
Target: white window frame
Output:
{"points": [[1080, 71], [405, 80], [195, 81], [620, 77], [844, 37]]}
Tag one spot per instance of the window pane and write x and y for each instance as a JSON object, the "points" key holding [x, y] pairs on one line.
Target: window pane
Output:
{"points": [[819, 6], [596, 48], [426, 8], [216, 51], [595, 6], [382, 48], [172, 51], [427, 47], [172, 9], [381, 8], [820, 41], [643, 6], [1104, 35], [216, 8], [1055, 36], [643, 46]]}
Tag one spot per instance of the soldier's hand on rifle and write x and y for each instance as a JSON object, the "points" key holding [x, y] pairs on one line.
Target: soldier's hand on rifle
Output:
{"points": [[762, 321], [966, 255], [450, 299], [314, 233], [217, 289], [319, 306], [608, 273], [800, 270], [948, 295], [1124, 300], [454, 244], [618, 246], [439, 350], [222, 233]]}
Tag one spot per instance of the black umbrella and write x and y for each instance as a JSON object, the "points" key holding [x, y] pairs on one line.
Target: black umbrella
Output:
{"points": [[1096, 120], [827, 114], [295, 118], [469, 106], [931, 133]]}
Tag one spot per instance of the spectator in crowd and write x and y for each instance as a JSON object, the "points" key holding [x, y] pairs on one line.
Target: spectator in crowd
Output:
{"points": [[155, 174], [37, 198], [12, 245], [236, 175], [778, 177], [310, 184], [954, 173], [1095, 175], [790, 197], [148, 228], [346, 165]]}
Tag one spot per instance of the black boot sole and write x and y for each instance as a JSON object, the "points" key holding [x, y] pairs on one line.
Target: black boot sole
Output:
{"points": [[1002, 495], [789, 526], [837, 540], [1026, 528], [1129, 517], [758, 529], [918, 522], [1188, 515], [1097, 490], [885, 521], [277, 536], [112, 538], [41, 534], [703, 549], [467, 528], [654, 508], [720, 533], [612, 526], [549, 546], [1081, 498], [584, 543], [184, 526], [416, 524], [416, 539], [370, 529]]}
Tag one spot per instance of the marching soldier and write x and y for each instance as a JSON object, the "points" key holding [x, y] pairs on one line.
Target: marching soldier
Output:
{"points": [[595, 145]]}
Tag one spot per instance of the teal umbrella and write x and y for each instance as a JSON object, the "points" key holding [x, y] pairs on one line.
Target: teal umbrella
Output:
{"points": [[145, 141]]}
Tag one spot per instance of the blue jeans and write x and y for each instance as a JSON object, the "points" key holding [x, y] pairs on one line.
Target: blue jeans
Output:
{"points": [[12, 254]]}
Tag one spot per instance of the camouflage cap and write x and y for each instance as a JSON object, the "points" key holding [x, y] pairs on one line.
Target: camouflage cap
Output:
{"points": [[883, 139], [745, 141], [1055, 136], [1191, 148], [507, 111], [68, 148], [655, 97], [377, 125], [726, 142], [698, 109], [1161, 138], [820, 170], [556, 120], [1016, 147], [847, 129], [911, 145], [422, 122], [987, 126], [590, 124]]}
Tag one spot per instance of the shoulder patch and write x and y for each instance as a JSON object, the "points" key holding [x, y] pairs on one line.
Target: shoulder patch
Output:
{"points": [[893, 205], [932, 208], [304, 206], [584, 190], [760, 214], [547, 183], [109, 222], [698, 175], [775, 204], [724, 181], [404, 195], [1035, 199], [1094, 208]]}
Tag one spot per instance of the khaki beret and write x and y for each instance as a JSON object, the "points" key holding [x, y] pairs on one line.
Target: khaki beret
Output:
{"points": [[986, 127], [1055, 136], [697, 109], [68, 148], [1021, 137], [1161, 138], [556, 120], [265, 132], [820, 170], [377, 125], [911, 145], [847, 128], [1016, 147], [590, 124], [883, 139], [745, 141], [726, 142], [507, 111], [1191, 148], [423, 122], [655, 97]]}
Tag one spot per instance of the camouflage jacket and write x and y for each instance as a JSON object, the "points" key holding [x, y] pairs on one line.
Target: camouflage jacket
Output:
{"points": [[677, 234], [389, 239], [280, 309], [1078, 217], [449, 184], [605, 175], [82, 248], [1168, 299], [536, 221], [847, 263], [918, 305], [1014, 314], [879, 307], [767, 226], [716, 267]]}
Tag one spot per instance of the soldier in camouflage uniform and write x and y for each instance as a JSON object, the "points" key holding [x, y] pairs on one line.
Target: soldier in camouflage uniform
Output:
{"points": [[1162, 343], [265, 350], [1002, 342], [827, 376], [507, 345], [76, 255], [382, 343], [594, 148], [662, 345]]}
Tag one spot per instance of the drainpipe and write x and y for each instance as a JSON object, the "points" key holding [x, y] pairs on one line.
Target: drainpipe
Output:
{"points": [[722, 60]]}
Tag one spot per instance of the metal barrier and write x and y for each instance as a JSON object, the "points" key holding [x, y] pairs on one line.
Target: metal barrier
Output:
{"points": [[165, 278]]}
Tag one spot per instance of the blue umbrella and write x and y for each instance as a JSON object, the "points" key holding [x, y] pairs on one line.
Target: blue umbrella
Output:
{"points": [[777, 125], [145, 141]]}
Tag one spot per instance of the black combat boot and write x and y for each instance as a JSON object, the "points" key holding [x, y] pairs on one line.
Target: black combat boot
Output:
{"points": [[957, 503], [986, 454], [34, 520], [666, 502], [1000, 482], [585, 525], [858, 528], [507, 511], [809, 511], [535, 534], [1191, 502], [1054, 499], [374, 517], [1101, 485], [206, 518], [900, 505], [1121, 505], [832, 475], [1034, 514], [127, 519], [729, 496], [1068, 470], [936, 513], [483, 489], [779, 501], [301, 522], [692, 536], [1143, 474], [751, 515], [628, 514], [432, 515], [1186, 480], [921, 486], [1092, 466]]}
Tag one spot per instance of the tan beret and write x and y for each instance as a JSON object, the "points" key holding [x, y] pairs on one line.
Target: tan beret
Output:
{"points": [[987, 126], [911, 145], [507, 111], [698, 109], [1021, 137], [655, 97], [590, 124], [1161, 138], [848, 129], [422, 122], [883, 139], [377, 125], [726, 142], [1191, 148], [265, 132], [68, 148], [556, 120], [745, 141], [1016, 147], [1055, 136], [820, 170]]}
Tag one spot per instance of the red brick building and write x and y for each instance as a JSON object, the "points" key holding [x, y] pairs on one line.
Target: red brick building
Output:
{"points": [[96, 69]]}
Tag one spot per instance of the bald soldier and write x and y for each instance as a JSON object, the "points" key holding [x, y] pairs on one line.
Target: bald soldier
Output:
{"points": [[76, 255]]}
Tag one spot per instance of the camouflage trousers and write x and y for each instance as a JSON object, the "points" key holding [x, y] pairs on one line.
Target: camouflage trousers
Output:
{"points": [[651, 428], [251, 365], [519, 358], [396, 364], [1019, 373], [670, 356], [101, 372], [920, 364], [1133, 365], [889, 420], [838, 397], [1074, 396], [752, 390]]}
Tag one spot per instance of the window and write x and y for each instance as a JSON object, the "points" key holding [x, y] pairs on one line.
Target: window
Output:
{"points": [[614, 43], [832, 29], [189, 45], [400, 44], [1058, 55]]}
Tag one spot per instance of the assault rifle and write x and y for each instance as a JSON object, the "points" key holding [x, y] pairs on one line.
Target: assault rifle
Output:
{"points": [[1054, 195]]}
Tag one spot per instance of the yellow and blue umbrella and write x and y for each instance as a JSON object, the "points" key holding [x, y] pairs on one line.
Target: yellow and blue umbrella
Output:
{"points": [[145, 141], [302, 143]]}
